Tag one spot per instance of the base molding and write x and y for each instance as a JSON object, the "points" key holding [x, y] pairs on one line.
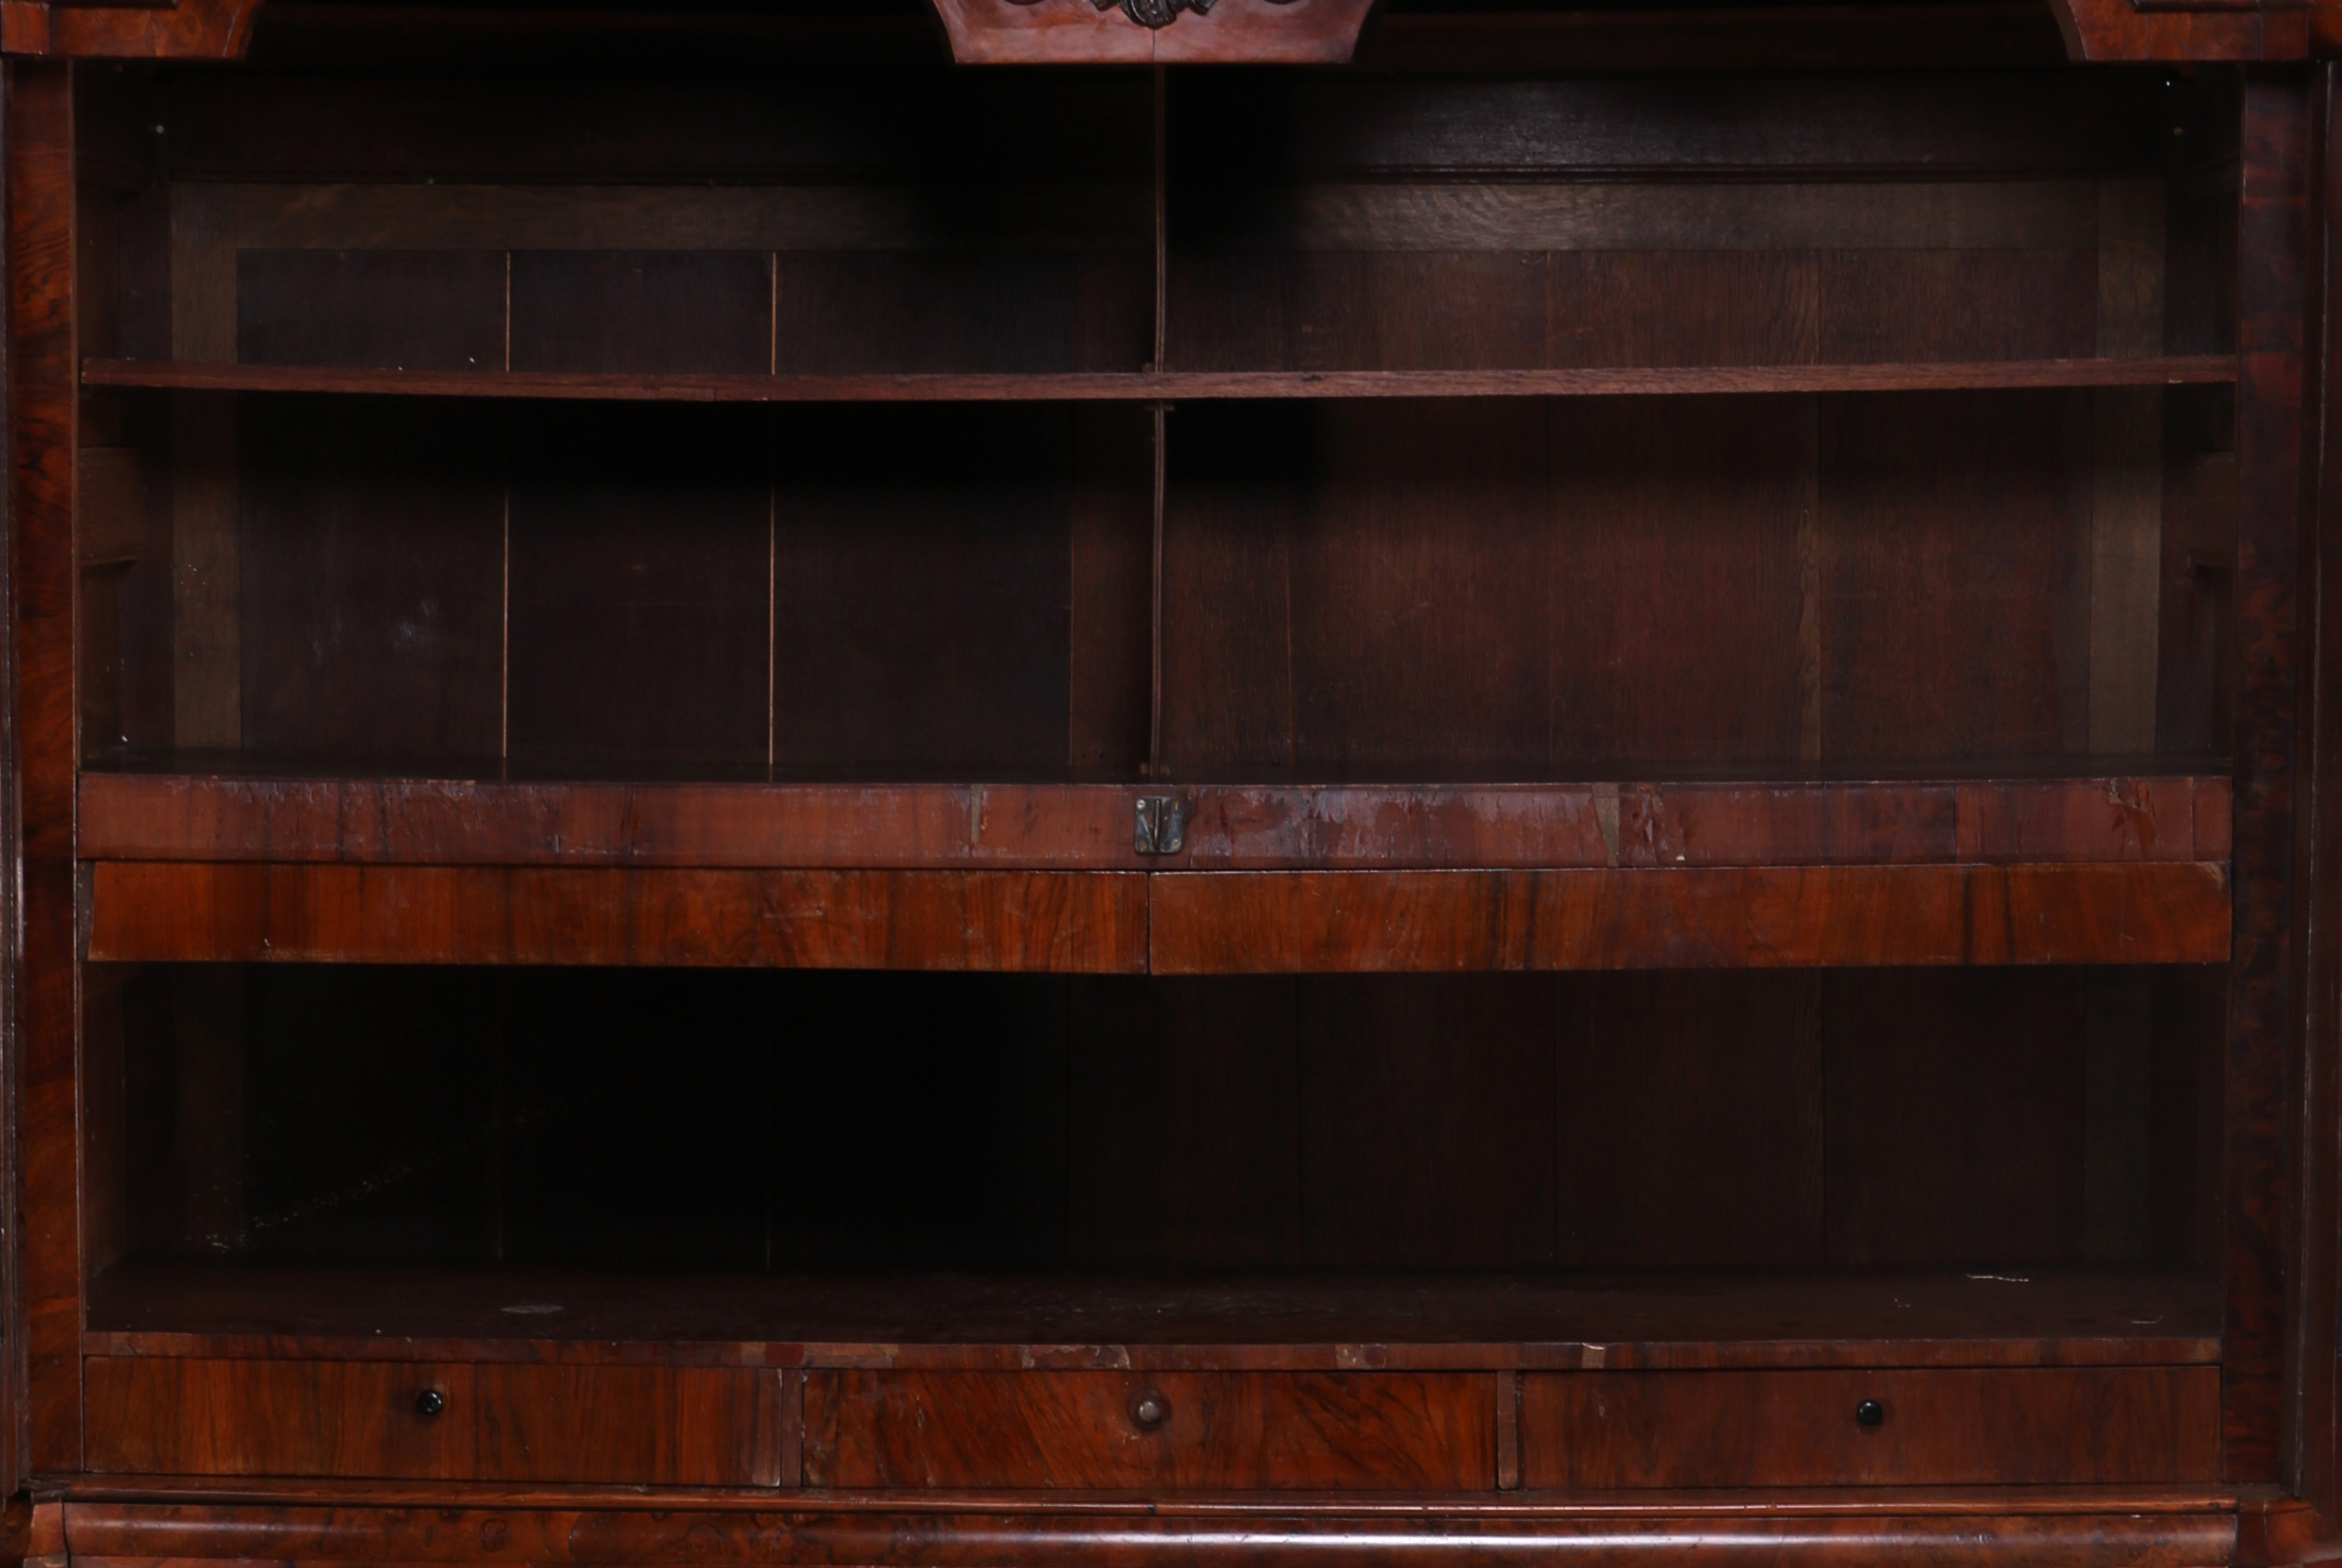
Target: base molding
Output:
{"points": [[124, 1524]]}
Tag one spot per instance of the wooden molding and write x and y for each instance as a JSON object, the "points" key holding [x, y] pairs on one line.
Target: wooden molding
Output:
{"points": [[1993, 1526], [176, 30], [1081, 32], [2286, 1533], [2184, 30]]}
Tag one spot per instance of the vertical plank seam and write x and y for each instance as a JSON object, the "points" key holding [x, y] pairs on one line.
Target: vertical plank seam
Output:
{"points": [[793, 1428], [1509, 1431]]}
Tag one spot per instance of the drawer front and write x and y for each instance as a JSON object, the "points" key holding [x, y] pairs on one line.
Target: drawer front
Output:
{"points": [[2051, 1425], [1237, 1430], [716, 1426]]}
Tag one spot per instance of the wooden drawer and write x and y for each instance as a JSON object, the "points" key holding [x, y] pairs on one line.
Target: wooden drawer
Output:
{"points": [[713, 1426], [2048, 1425], [1403, 1431]]}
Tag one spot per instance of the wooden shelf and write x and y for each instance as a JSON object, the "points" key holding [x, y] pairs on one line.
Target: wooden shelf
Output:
{"points": [[457, 818], [1045, 877], [2009, 1317], [1175, 923], [1166, 387]]}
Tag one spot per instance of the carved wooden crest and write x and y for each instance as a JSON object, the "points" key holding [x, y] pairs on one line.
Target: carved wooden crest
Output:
{"points": [[1158, 13], [1094, 32]]}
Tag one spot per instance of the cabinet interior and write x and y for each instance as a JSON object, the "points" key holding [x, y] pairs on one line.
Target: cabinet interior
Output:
{"points": [[1925, 519]]}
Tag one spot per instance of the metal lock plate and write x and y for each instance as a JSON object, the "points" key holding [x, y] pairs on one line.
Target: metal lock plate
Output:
{"points": [[1162, 828]]}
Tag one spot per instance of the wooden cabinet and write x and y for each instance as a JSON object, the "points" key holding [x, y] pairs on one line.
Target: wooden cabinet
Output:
{"points": [[1000, 783]]}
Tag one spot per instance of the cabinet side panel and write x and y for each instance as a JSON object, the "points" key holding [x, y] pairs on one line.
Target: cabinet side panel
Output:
{"points": [[2262, 1035], [41, 421]]}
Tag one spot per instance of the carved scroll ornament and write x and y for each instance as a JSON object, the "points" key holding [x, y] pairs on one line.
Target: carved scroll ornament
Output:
{"points": [[1095, 32], [1156, 13]]}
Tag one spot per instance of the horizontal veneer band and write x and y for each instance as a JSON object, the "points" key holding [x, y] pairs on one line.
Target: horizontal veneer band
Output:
{"points": [[1240, 923], [1179, 923], [425, 821], [1165, 386]]}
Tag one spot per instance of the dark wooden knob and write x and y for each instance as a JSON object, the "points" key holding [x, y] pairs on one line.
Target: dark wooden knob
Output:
{"points": [[430, 1403], [1869, 1413], [1150, 1410]]}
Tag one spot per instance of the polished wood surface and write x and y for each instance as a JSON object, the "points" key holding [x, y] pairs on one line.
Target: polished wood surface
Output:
{"points": [[461, 821], [695, 1426], [173, 29], [2264, 1021], [2319, 1278], [1272, 922], [1384, 1431], [1360, 1319], [2114, 1425], [42, 580], [1698, 620], [1080, 922], [2031, 1527], [1177, 923], [1185, 385], [2118, 30]]}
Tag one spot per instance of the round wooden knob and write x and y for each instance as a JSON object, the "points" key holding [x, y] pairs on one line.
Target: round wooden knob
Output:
{"points": [[1150, 1410], [1869, 1413], [430, 1403]]}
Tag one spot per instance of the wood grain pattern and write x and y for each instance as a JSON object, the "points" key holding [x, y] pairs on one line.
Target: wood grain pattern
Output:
{"points": [[2264, 1042], [2035, 1528], [692, 1426], [1674, 625], [2047, 1427], [42, 580], [1272, 922], [1409, 1432], [205, 816], [2316, 1280], [2117, 30], [174, 29], [1069, 921], [1165, 386]]}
